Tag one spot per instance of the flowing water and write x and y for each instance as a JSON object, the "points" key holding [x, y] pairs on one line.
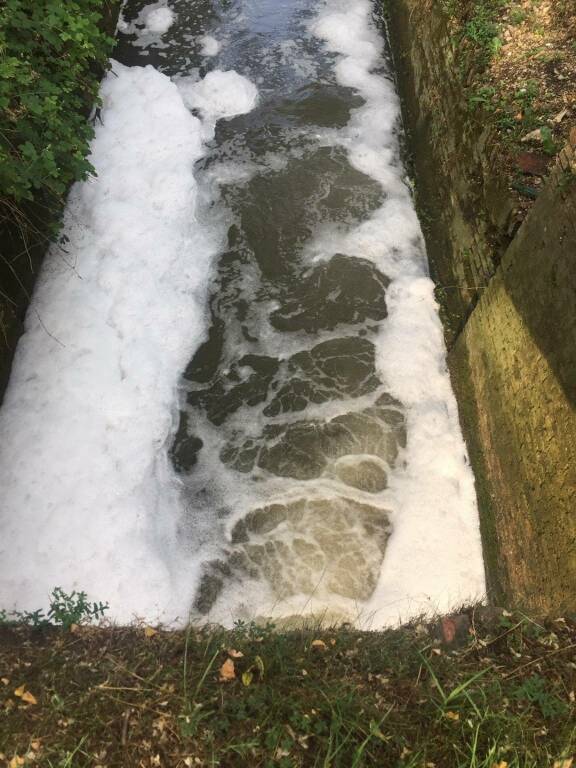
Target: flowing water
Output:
{"points": [[312, 460]]}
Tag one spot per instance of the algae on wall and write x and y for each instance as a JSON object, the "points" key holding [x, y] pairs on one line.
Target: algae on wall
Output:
{"points": [[512, 309], [515, 372]]}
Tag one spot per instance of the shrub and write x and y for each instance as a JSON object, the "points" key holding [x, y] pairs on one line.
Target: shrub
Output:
{"points": [[51, 54]]}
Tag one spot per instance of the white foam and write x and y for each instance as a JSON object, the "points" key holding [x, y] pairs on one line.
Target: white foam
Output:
{"points": [[160, 20], [153, 21], [210, 46], [219, 95], [88, 497], [434, 557]]}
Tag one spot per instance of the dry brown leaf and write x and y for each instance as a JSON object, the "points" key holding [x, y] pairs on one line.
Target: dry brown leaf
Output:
{"points": [[452, 716], [150, 631], [19, 691], [4, 680], [29, 698], [560, 116], [564, 763], [16, 761], [227, 671], [74, 628], [235, 654], [501, 764], [320, 644]]}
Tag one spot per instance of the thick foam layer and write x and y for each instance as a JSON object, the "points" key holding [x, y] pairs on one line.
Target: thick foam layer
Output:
{"points": [[88, 496], [434, 558]]}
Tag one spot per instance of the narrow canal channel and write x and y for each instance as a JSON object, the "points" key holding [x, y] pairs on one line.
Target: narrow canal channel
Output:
{"points": [[232, 398]]}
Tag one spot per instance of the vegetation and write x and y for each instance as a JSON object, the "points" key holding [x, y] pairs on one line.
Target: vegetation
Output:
{"points": [[503, 697], [66, 611], [52, 55], [48, 83], [517, 61]]}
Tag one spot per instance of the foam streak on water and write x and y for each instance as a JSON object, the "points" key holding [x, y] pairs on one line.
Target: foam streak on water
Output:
{"points": [[232, 396]]}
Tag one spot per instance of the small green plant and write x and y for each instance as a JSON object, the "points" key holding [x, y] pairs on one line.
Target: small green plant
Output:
{"points": [[482, 28], [548, 143], [64, 611], [74, 608], [518, 16], [535, 690]]}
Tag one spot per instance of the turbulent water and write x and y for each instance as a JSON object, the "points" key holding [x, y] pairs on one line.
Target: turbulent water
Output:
{"points": [[231, 401]]}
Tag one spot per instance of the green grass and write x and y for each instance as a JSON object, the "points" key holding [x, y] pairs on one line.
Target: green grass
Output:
{"points": [[124, 697]]}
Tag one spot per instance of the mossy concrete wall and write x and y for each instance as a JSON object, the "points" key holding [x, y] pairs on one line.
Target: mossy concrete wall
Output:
{"points": [[512, 339]]}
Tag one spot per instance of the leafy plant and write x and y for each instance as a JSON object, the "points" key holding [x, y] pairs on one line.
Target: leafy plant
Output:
{"points": [[65, 610], [48, 84], [74, 608], [548, 143], [535, 690]]}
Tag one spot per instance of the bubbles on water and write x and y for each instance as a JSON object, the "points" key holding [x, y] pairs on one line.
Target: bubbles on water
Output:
{"points": [[309, 546]]}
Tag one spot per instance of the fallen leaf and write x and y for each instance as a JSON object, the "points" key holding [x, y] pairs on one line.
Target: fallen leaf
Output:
{"points": [[501, 764], [5, 680], [74, 628], [247, 677], [320, 644], [452, 716], [227, 671], [150, 631], [235, 654], [25, 695], [535, 136], [560, 116], [29, 698], [36, 744], [16, 761], [532, 163], [564, 763]]}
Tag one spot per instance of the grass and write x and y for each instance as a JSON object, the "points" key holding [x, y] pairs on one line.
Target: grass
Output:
{"points": [[325, 698]]}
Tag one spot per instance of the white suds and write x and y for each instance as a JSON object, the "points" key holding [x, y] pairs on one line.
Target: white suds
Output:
{"points": [[434, 557], [159, 20], [219, 95], [210, 46], [89, 499]]}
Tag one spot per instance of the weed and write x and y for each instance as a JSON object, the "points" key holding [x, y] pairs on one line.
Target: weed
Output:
{"points": [[535, 690], [548, 143], [64, 611]]}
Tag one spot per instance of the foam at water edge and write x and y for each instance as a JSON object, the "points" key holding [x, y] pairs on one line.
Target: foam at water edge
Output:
{"points": [[89, 499], [434, 557]]}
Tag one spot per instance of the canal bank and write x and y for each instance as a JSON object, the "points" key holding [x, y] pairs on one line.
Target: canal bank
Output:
{"points": [[508, 294]]}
